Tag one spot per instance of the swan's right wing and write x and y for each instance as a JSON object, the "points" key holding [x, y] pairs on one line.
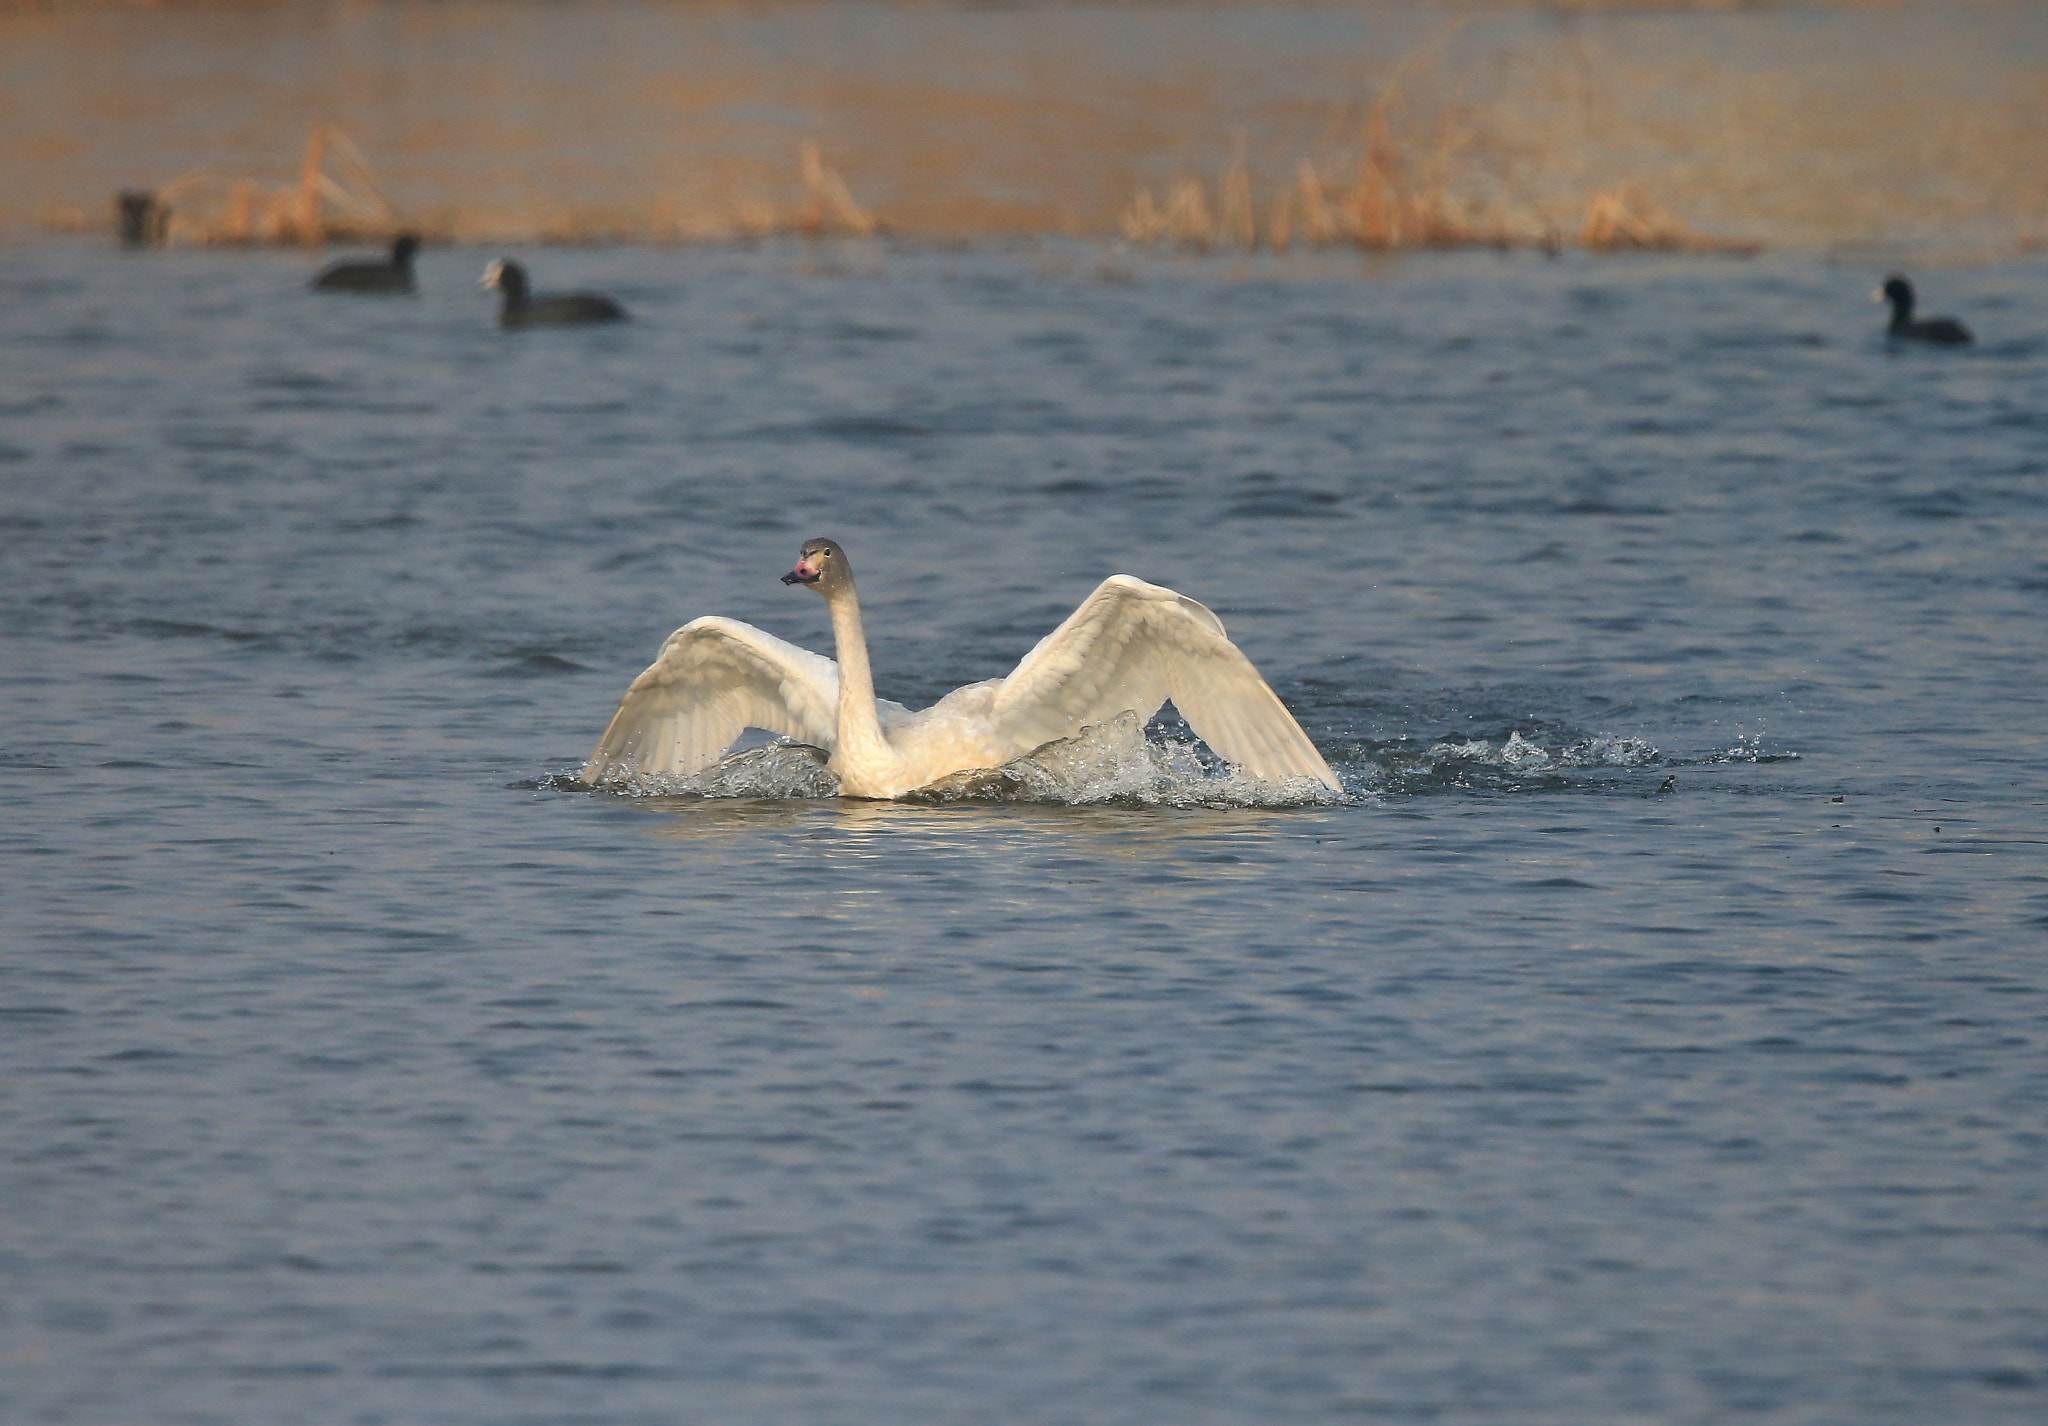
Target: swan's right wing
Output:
{"points": [[714, 678], [1130, 647]]}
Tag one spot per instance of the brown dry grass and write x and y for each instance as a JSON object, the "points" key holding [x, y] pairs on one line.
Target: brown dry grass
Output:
{"points": [[337, 198], [1393, 201], [1625, 219], [1419, 181], [321, 206], [1379, 212]]}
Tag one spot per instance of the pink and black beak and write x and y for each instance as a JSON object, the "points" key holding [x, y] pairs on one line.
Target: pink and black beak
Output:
{"points": [[808, 570]]}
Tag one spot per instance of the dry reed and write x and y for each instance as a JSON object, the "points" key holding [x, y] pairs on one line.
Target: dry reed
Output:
{"points": [[828, 204], [337, 198], [825, 207], [1393, 201], [1407, 190], [1376, 212], [1391, 207], [320, 207], [1625, 219]]}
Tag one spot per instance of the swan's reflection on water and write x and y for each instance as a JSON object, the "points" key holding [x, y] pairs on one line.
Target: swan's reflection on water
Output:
{"points": [[862, 827], [982, 866], [1067, 885]]}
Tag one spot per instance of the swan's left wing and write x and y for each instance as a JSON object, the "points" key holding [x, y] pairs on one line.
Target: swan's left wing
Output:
{"points": [[716, 677], [1130, 647]]}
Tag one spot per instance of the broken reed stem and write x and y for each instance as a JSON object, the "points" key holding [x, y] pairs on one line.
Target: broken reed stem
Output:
{"points": [[828, 203], [1316, 218], [203, 208], [308, 214], [1625, 219], [1235, 224]]}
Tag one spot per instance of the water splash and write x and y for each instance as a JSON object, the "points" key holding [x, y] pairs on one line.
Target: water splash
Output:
{"points": [[1115, 763], [1748, 748], [1519, 754], [778, 770], [1611, 750]]}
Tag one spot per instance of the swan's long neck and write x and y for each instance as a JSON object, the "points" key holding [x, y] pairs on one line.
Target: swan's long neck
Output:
{"points": [[861, 741]]}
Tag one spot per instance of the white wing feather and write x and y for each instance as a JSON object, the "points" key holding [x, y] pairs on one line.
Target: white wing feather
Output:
{"points": [[714, 678], [1132, 646]]}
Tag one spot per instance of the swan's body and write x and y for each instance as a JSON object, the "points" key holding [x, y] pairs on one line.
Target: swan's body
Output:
{"points": [[1128, 648]]}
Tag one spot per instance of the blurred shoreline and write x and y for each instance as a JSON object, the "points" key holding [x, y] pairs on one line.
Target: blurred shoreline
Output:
{"points": [[1231, 125]]}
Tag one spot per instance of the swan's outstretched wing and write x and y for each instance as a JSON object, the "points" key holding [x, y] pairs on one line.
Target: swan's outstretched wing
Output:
{"points": [[1131, 646], [714, 678]]}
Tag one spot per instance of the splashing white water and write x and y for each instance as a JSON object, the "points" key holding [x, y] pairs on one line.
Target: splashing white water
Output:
{"points": [[1748, 748], [1519, 754], [780, 769], [1114, 762], [1608, 750]]}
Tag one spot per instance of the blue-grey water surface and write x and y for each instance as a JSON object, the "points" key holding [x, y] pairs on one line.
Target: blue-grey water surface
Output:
{"points": [[1656, 1034]]}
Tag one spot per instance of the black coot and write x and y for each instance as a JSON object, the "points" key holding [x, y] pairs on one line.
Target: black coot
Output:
{"points": [[523, 309], [392, 276], [1944, 331]]}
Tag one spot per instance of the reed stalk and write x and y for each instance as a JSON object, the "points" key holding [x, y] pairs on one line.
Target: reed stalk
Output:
{"points": [[207, 209], [828, 203], [1626, 219], [1236, 225]]}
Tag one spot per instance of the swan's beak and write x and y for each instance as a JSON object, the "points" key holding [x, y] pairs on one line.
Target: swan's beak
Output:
{"points": [[807, 571]]}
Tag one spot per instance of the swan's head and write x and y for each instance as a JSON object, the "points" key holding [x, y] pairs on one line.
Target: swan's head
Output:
{"points": [[820, 564]]}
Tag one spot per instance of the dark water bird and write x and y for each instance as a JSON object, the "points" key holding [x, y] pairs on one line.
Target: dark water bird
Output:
{"points": [[392, 275], [522, 309], [1942, 331]]}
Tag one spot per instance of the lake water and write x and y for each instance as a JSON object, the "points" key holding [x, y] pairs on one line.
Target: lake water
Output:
{"points": [[1654, 1034]]}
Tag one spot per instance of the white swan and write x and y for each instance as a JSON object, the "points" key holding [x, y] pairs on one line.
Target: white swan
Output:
{"points": [[1129, 647]]}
